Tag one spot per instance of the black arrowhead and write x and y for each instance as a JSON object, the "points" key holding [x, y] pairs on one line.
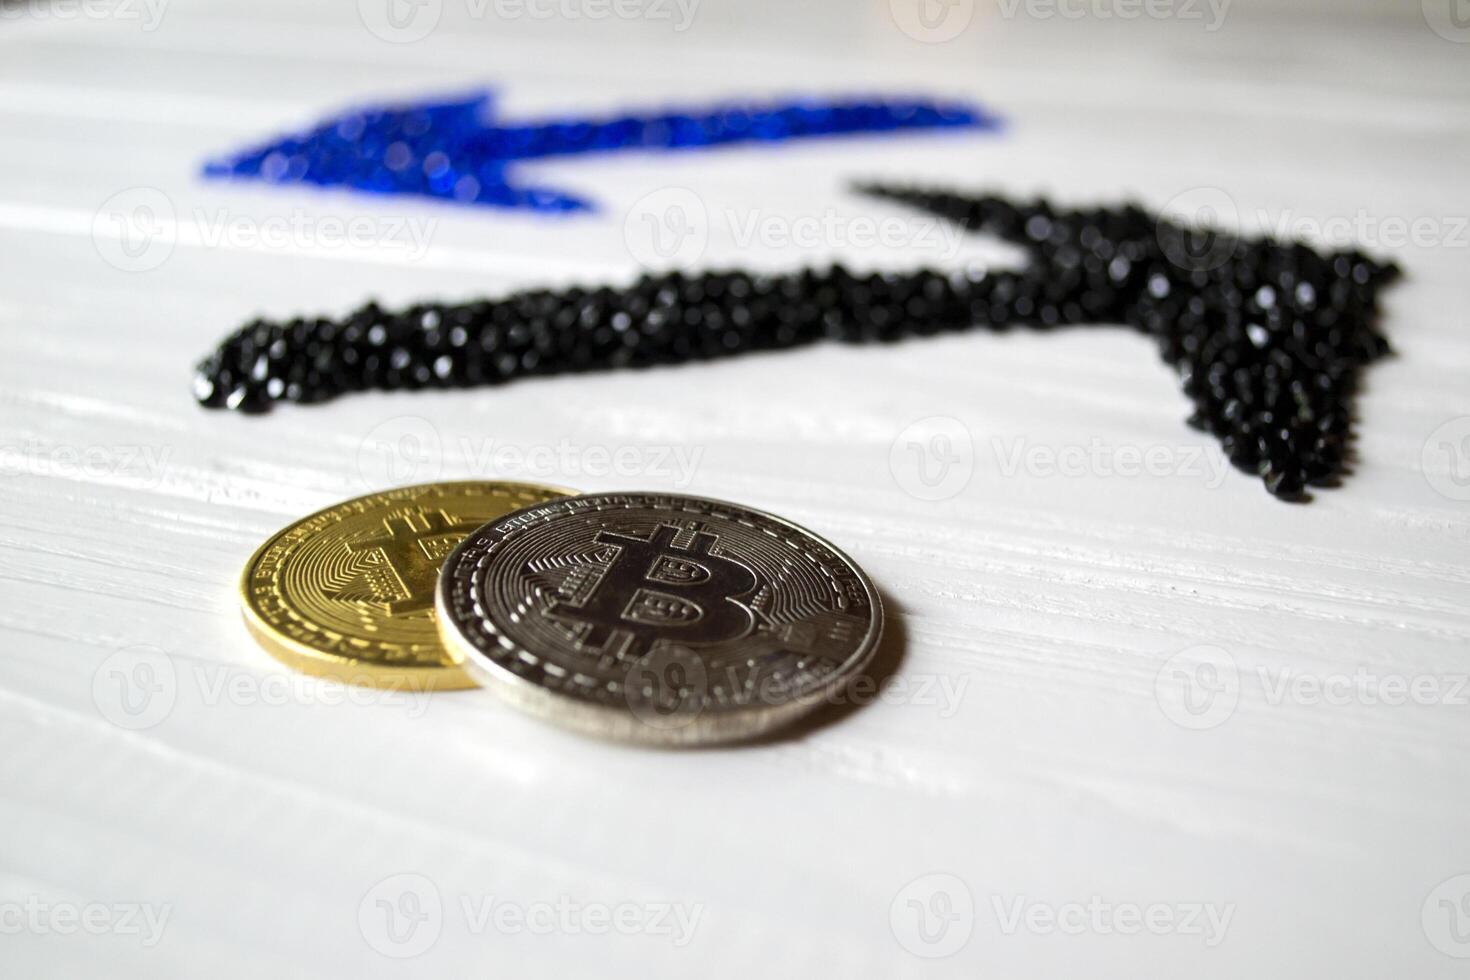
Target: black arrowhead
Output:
{"points": [[1268, 337]]}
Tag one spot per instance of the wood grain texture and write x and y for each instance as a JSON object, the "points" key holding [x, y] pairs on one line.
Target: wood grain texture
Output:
{"points": [[1025, 745]]}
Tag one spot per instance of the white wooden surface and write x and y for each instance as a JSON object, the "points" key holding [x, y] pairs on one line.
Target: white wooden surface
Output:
{"points": [[258, 816]]}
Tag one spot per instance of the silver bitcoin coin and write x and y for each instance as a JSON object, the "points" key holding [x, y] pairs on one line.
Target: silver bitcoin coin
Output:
{"points": [[657, 618]]}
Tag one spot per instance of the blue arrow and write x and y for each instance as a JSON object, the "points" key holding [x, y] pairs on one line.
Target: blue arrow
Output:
{"points": [[455, 150]]}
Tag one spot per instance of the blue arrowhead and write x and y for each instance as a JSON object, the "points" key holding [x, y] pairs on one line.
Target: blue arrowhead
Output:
{"points": [[456, 150]]}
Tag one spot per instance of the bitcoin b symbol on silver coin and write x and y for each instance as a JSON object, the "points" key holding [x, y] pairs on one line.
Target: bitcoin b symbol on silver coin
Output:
{"points": [[631, 607], [655, 588]]}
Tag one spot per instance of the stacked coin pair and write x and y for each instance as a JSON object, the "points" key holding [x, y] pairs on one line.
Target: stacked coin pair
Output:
{"points": [[644, 617]]}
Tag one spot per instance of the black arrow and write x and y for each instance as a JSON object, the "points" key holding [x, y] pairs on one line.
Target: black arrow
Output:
{"points": [[1268, 337]]}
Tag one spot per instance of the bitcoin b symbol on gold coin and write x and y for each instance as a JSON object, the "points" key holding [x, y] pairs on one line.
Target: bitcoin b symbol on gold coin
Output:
{"points": [[405, 559]]}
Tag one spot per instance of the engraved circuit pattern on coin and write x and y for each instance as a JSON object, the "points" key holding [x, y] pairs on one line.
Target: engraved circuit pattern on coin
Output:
{"points": [[657, 618], [348, 592]]}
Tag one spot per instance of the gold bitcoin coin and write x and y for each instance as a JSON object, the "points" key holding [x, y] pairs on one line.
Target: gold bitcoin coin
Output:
{"points": [[348, 593]]}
